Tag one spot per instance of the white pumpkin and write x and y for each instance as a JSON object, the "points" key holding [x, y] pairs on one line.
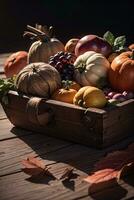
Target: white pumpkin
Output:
{"points": [[40, 51], [91, 69], [45, 46]]}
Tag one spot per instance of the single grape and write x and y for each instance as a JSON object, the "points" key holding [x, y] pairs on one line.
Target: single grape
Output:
{"points": [[52, 63], [61, 53], [62, 57], [119, 97], [111, 94], [58, 64], [56, 57], [68, 57]]}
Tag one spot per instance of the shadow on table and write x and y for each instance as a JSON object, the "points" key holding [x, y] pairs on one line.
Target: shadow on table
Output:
{"points": [[40, 179], [107, 190], [56, 150], [80, 157], [113, 193], [111, 190]]}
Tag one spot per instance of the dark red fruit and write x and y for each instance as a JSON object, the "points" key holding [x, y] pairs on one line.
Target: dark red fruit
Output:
{"points": [[93, 43]]}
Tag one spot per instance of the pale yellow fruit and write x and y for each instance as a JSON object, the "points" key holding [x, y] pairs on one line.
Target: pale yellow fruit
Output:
{"points": [[79, 95], [94, 97]]}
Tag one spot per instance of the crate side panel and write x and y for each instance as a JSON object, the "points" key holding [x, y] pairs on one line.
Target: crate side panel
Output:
{"points": [[118, 123], [68, 123]]}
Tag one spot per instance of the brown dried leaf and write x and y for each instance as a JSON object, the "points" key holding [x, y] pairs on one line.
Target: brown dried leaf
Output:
{"points": [[34, 166], [109, 167], [68, 172], [101, 176]]}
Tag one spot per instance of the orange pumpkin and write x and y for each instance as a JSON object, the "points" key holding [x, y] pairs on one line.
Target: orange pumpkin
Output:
{"points": [[14, 63], [67, 84], [64, 95], [74, 86], [121, 73]]}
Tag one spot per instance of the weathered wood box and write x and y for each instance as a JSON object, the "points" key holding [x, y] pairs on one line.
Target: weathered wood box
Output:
{"points": [[93, 127]]}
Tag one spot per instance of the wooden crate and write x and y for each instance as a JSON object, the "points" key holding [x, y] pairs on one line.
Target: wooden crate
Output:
{"points": [[93, 127]]}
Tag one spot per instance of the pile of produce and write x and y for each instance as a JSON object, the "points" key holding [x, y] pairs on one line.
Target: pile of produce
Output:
{"points": [[91, 71]]}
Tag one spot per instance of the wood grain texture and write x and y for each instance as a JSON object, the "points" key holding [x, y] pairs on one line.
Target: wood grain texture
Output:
{"points": [[7, 130], [31, 145], [19, 187]]}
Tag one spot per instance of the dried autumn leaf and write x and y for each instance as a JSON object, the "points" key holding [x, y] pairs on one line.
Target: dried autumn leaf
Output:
{"points": [[109, 167], [101, 176], [67, 173], [34, 167]]}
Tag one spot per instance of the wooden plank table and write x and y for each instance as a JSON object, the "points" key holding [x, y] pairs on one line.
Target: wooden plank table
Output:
{"points": [[17, 144]]}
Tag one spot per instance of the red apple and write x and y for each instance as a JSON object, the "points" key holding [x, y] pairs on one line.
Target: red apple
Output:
{"points": [[14, 63], [93, 43]]}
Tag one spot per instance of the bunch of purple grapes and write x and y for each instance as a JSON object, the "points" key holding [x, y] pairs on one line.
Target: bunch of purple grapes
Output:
{"points": [[63, 62]]}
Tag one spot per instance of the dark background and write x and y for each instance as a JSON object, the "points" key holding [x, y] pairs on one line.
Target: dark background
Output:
{"points": [[70, 19]]}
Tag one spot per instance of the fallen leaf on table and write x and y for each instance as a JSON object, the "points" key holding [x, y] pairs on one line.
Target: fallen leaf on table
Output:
{"points": [[112, 166], [35, 167], [67, 173]]}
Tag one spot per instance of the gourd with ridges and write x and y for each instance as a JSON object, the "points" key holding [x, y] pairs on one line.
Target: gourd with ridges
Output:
{"points": [[38, 79], [121, 73], [91, 68], [44, 47]]}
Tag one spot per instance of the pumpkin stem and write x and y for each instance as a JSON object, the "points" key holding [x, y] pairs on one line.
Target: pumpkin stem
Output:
{"points": [[34, 69], [132, 56], [66, 84], [34, 30], [81, 68], [44, 28], [38, 34], [31, 35]]}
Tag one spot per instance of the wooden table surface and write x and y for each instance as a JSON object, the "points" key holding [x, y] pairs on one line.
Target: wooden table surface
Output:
{"points": [[17, 144]]}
